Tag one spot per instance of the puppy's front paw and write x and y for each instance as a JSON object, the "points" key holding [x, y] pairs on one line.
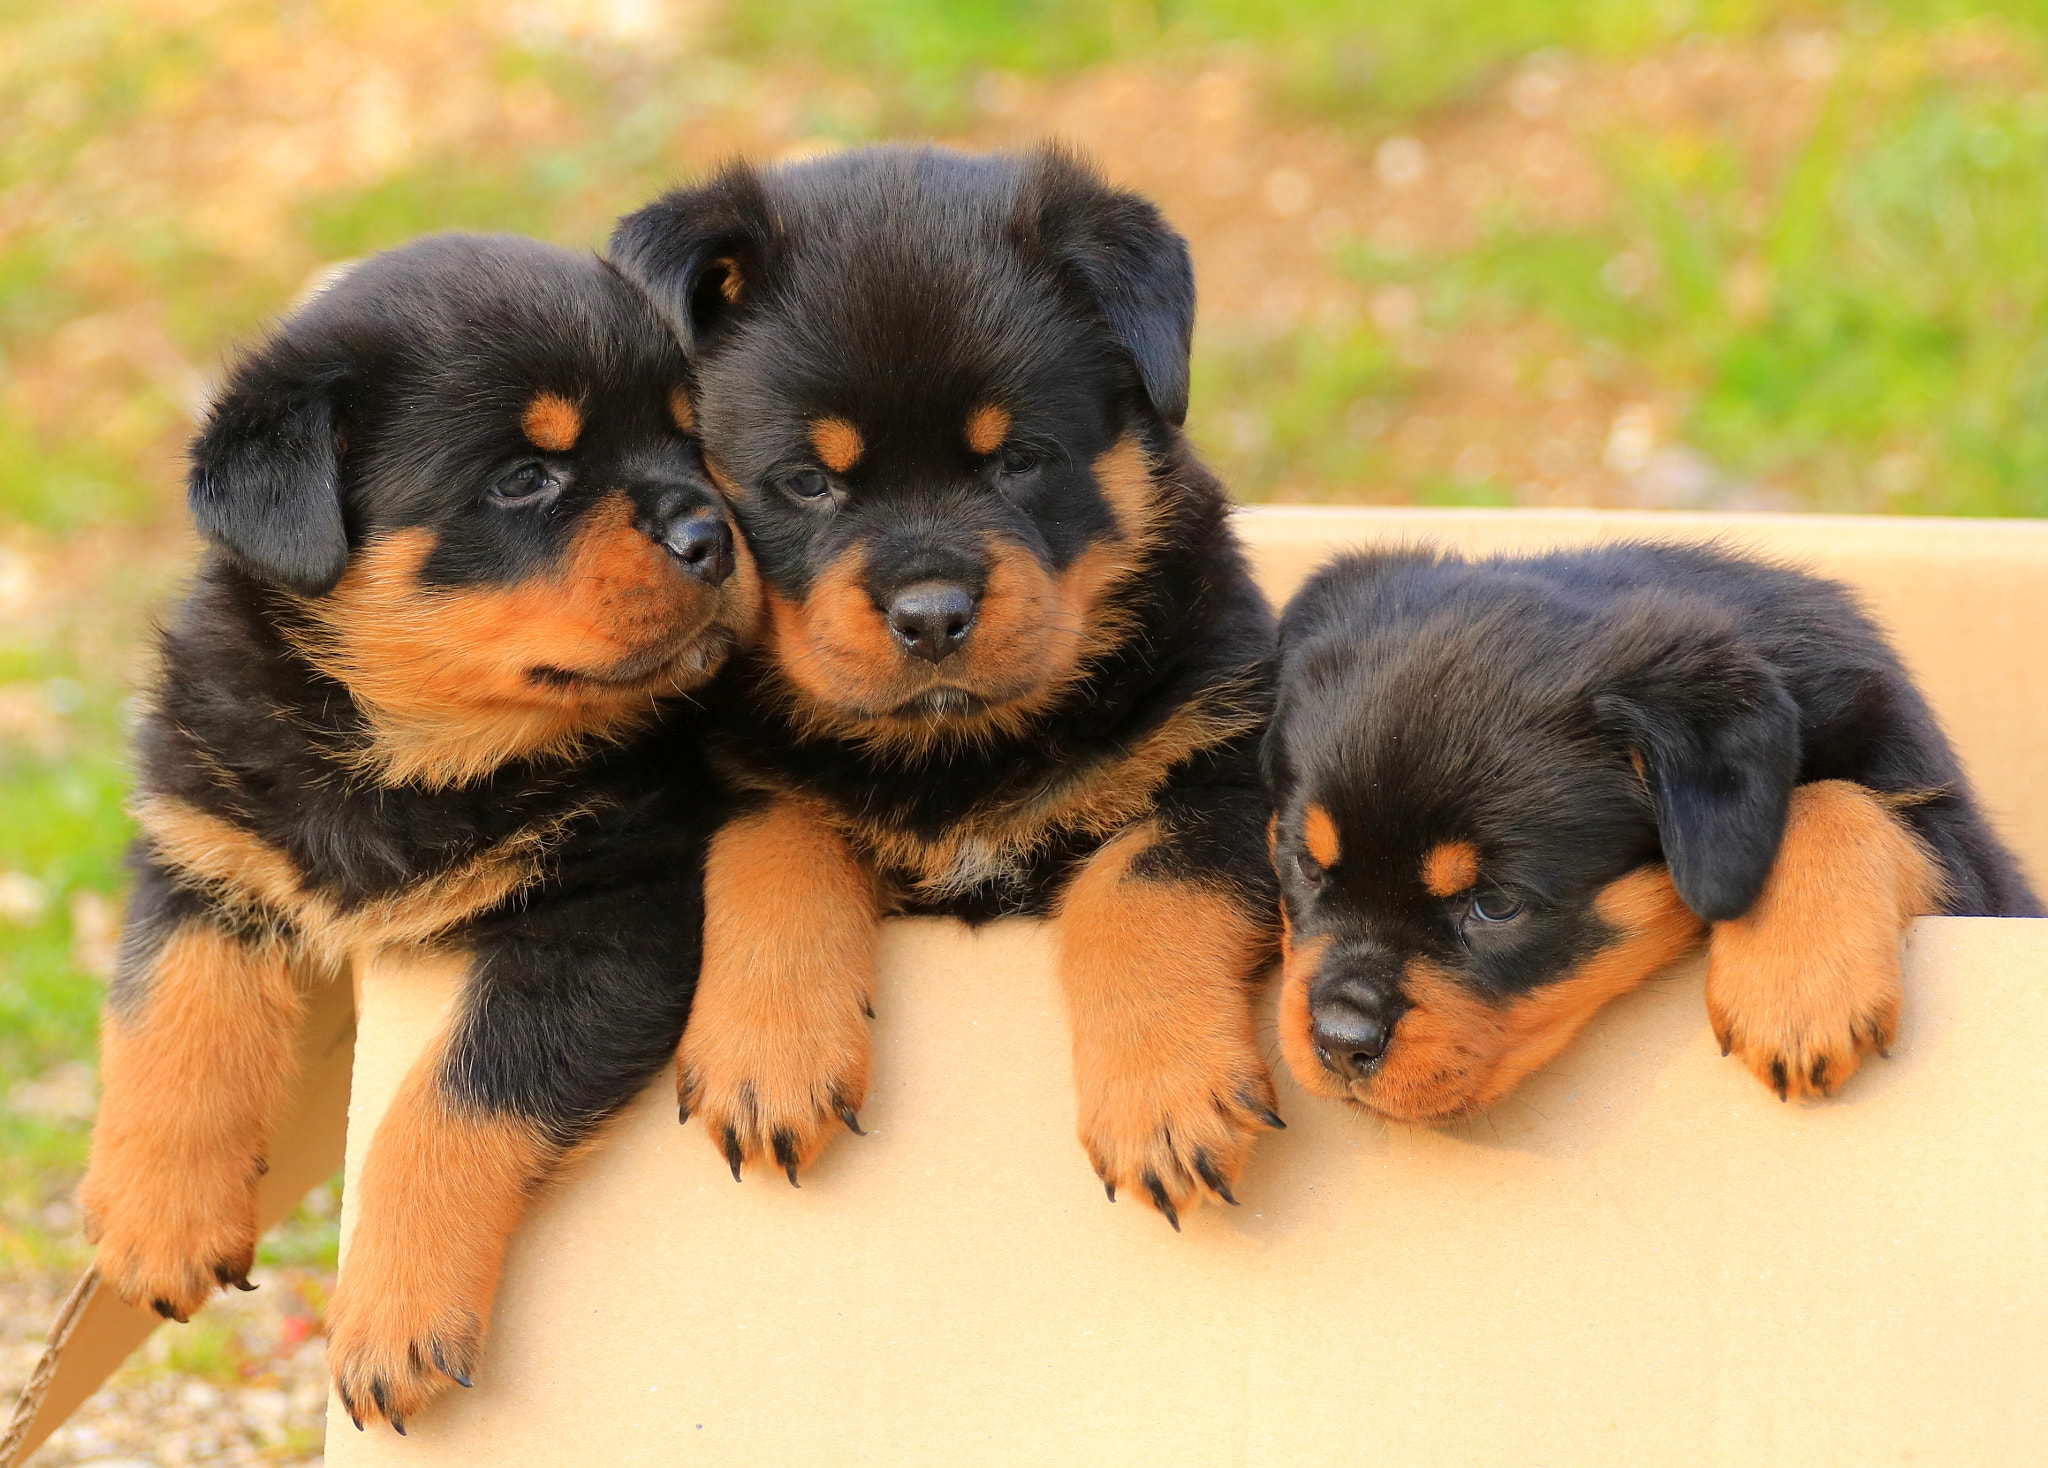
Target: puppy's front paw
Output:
{"points": [[1803, 1028], [767, 1088], [169, 1237], [1806, 982], [1166, 1124], [393, 1350]]}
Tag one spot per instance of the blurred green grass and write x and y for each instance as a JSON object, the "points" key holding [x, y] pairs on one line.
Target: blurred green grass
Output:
{"points": [[1856, 322]]}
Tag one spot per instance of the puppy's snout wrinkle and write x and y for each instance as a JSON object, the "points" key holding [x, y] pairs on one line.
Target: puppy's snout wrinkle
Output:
{"points": [[932, 619]]}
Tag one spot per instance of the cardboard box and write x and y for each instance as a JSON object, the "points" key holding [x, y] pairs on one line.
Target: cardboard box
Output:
{"points": [[1639, 1257]]}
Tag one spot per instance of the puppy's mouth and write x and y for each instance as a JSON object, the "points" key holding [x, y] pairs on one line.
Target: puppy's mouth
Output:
{"points": [[672, 665], [941, 702]]}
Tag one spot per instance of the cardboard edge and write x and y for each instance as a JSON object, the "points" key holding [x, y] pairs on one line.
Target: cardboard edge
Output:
{"points": [[94, 1332]]}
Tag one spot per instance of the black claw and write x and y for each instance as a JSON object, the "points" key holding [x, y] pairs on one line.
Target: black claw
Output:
{"points": [[1780, 1082], [356, 1420], [1160, 1201], [1272, 1118], [1110, 1188], [380, 1396], [398, 1426], [682, 1113], [1884, 1052], [867, 1008], [785, 1153], [166, 1309], [1209, 1175], [348, 1405], [852, 1119], [733, 1155], [441, 1365], [1819, 1076], [1726, 1046]]}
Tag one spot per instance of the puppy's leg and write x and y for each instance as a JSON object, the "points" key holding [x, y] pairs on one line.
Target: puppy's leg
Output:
{"points": [[776, 1055], [568, 1010], [1807, 980], [197, 1052], [1159, 958]]}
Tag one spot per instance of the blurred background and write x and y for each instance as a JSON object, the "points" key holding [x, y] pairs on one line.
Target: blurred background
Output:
{"points": [[1738, 254]]}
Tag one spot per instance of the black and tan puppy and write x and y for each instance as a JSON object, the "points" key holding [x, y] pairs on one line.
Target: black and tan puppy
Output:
{"points": [[1509, 790], [1012, 661], [461, 551]]}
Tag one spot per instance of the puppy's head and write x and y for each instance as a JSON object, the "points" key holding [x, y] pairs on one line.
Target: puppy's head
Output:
{"points": [[934, 387], [470, 464], [1500, 805]]}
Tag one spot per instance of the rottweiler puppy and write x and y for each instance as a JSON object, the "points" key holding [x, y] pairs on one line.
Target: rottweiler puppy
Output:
{"points": [[462, 559], [1509, 790], [1011, 660]]}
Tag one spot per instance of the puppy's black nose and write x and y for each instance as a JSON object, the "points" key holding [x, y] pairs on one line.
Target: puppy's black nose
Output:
{"points": [[1350, 1031], [702, 545], [932, 618]]}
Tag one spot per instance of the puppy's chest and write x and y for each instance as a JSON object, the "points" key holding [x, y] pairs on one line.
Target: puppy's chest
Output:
{"points": [[371, 868]]}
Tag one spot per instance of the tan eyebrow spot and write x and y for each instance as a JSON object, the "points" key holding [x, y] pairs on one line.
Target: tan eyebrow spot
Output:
{"points": [[838, 443], [680, 409], [987, 427], [552, 422], [1319, 833], [1450, 866]]}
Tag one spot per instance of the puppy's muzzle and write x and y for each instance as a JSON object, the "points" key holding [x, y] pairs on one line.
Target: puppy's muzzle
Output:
{"points": [[1351, 1022]]}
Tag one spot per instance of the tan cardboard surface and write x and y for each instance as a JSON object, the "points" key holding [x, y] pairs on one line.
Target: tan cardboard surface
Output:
{"points": [[1641, 1258]]}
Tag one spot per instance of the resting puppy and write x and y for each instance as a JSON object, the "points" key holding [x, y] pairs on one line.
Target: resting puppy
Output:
{"points": [[1509, 790], [460, 551], [1012, 659]]}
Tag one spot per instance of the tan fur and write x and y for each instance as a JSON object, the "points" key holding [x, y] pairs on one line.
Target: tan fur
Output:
{"points": [[1158, 976], [1450, 866], [778, 1036], [247, 875], [191, 1089], [987, 427], [1097, 794], [1300, 962], [838, 444], [1807, 981], [1319, 835], [1035, 637], [440, 1193], [731, 283], [445, 676], [682, 410], [552, 422]]}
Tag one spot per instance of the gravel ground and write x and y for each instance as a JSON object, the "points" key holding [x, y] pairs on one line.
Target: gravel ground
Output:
{"points": [[244, 1384]]}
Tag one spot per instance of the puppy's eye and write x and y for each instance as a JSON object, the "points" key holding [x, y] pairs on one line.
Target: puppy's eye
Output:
{"points": [[1017, 461], [1495, 907], [527, 484], [1309, 869], [804, 484]]}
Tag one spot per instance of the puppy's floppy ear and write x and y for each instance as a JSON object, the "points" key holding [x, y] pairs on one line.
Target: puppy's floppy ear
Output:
{"points": [[1127, 260], [697, 253], [1718, 740], [265, 477]]}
